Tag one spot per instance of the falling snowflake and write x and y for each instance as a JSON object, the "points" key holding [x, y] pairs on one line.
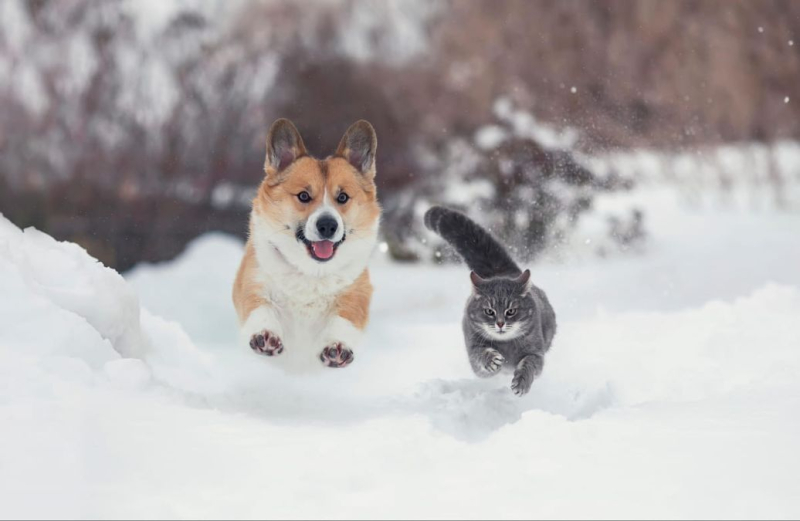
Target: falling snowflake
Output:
{"points": [[573, 90], [786, 99]]}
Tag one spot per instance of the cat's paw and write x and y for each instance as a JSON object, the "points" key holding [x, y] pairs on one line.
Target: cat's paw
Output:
{"points": [[492, 360], [336, 355], [266, 343], [521, 383]]}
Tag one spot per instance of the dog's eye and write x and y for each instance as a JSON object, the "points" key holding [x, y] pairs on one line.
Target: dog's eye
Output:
{"points": [[489, 312], [304, 197], [511, 312], [343, 198]]}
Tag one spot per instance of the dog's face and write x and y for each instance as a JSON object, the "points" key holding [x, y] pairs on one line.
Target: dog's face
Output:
{"points": [[320, 214]]}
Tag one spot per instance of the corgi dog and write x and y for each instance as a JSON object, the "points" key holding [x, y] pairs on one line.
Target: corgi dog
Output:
{"points": [[302, 292]]}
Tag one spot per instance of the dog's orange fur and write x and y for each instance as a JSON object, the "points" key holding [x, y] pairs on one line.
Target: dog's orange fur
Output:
{"points": [[246, 291], [277, 201], [363, 209], [353, 303], [278, 192]]}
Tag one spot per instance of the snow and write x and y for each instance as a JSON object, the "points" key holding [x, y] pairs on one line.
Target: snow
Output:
{"points": [[671, 389], [15, 25], [83, 64], [525, 125], [392, 32], [156, 94], [735, 175], [29, 88], [490, 137], [152, 17], [43, 276]]}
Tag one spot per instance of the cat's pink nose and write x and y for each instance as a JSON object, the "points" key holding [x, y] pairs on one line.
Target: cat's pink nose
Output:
{"points": [[500, 325]]}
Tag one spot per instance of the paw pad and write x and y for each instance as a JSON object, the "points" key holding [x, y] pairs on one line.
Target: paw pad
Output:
{"points": [[266, 343], [336, 355], [493, 360]]}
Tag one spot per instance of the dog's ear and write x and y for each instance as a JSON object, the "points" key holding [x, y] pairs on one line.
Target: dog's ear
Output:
{"points": [[284, 146], [358, 146]]}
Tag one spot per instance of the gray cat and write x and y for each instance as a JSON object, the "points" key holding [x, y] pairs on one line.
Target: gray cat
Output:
{"points": [[508, 322]]}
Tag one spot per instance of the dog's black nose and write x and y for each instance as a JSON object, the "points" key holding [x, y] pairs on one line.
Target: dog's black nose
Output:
{"points": [[326, 226]]}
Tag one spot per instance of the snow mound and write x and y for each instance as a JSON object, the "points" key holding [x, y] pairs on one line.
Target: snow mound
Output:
{"points": [[690, 411], [60, 302], [46, 276]]}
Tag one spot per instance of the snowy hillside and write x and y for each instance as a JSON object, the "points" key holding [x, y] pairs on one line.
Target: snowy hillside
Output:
{"points": [[672, 388]]}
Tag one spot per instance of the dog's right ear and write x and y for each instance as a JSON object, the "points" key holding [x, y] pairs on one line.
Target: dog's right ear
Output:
{"points": [[358, 146], [284, 146]]}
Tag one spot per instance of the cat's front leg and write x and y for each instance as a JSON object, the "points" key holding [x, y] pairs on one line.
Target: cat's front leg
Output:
{"points": [[486, 361], [528, 369]]}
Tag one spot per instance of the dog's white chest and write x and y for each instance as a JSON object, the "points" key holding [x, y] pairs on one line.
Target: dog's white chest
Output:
{"points": [[305, 307], [302, 293]]}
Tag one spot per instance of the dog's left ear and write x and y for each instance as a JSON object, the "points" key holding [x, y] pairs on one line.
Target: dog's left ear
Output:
{"points": [[358, 146], [284, 146]]}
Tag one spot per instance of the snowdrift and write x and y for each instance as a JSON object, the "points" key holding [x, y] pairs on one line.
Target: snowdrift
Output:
{"points": [[108, 410]]}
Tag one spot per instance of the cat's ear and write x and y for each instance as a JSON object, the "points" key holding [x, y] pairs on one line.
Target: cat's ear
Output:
{"points": [[358, 146], [284, 146], [477, 281], [524, 278]]}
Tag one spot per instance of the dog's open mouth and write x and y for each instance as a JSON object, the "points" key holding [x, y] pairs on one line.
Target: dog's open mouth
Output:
{"points": [[321, 251]]}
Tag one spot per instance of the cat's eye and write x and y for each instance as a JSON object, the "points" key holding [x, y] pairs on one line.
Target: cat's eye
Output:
{"points": [[489, 312], [511, 312], [343, 198], [304, 196]]}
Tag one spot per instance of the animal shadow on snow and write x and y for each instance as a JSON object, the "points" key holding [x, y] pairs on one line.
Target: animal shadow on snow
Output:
{"points": [[472, 409], [469, 409]]}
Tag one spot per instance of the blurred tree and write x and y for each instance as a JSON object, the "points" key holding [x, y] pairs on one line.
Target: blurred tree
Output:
{"points": [[140, 125]]}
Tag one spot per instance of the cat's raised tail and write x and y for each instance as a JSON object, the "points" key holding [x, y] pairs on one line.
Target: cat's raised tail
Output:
{"points": [[480, 250]]}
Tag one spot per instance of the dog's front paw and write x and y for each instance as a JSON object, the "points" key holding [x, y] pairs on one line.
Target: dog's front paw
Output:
{"points": [[266, 343], [492, 360], [521, 383], [336, 355]]}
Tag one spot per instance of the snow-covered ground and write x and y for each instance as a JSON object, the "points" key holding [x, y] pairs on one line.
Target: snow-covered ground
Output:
{"points": [[672, 389]]}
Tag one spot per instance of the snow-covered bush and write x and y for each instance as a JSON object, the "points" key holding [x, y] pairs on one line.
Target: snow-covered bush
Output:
{"points": [[131, 127], [518, 177]]}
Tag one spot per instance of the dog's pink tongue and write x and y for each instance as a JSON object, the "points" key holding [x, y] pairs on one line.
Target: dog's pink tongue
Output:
{"points": [[323, 249]]}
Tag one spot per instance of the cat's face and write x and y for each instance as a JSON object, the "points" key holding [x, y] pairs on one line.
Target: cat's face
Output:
{"points": [[501, 308]]}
